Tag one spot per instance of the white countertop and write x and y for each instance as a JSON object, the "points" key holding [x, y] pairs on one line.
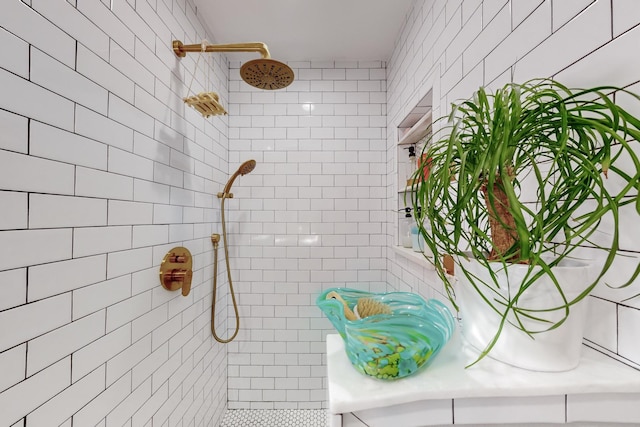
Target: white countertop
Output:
{"points": [[447, 378]]}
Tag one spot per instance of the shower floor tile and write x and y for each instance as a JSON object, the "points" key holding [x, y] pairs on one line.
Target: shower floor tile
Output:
{"points": [[275, 418]]}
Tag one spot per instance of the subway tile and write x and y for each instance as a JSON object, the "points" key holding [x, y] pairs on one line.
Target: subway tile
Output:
{"points": [[610, 408], [534, 30], [100, 128], [127, 359], [125, 163], [108, 22], [12, 366], [100, 351], [129, 213], [144, 280], [126, 311], [143, 370], [161, 375], [49, 211], [181, 197], [152, 192], [74, 23], [161, 335], [26, 396], [564, 12], [104, 74], [97, 240], [123, 112], [167, 214], [126, 13], [624, 15], [55, 144], [521, 9], [125, 409], [149, 235], [18, 61], [152, 106], [151, 406], [20, 19], [24, 173], [148, 322], [164, 174], [15, 131], [65, 81], [628, 327], [13, 285], [491, 37], [580, 36], [604, 65], [468, 33], [61, 342], [543, 409], [29, 247], [169, 136], [69, 275], [129, 261], [69, 401], [14, 210], [101, 295], [602, 323], [127, 64], [95, 183], [98, 408]]}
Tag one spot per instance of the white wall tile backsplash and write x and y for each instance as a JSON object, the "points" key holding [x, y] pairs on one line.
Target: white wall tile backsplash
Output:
{"points": [[103, 169]]}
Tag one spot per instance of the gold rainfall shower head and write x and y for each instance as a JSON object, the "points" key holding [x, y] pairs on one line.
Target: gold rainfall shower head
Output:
{"points": [[263, 73]]}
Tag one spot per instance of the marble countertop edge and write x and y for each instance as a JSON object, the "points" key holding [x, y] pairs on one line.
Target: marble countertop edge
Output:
{"points": [[447, 378]]}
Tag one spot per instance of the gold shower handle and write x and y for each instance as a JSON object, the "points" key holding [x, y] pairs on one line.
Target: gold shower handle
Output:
{"points": [[181, 49], [176, 270]]}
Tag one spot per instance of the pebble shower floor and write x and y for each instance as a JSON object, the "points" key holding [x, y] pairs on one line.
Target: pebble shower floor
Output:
{"points": [[275, 418]]}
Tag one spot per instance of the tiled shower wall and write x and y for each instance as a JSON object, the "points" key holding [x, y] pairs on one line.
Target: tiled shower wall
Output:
{"points": [[103, 170], [310, 216], [453, 47]]}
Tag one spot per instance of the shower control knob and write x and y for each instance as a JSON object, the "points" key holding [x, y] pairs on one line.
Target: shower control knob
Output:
{"points": [[176, 270], [177, 258]]}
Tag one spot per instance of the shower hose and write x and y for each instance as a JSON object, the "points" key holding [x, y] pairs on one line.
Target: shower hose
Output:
{"points": [[214, 239]]}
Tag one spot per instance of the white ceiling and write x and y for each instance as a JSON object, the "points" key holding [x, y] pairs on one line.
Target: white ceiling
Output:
{"points": [[309, 30]]}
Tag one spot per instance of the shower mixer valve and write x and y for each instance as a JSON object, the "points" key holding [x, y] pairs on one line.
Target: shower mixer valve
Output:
{"points": [[176, 270]]}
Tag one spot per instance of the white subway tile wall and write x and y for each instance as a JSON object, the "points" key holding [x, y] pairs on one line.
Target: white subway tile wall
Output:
{"points": [[103, 169], [310, 216]]}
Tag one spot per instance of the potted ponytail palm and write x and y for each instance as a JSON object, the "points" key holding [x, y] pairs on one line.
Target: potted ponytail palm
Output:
{"points": [[517, 182]]}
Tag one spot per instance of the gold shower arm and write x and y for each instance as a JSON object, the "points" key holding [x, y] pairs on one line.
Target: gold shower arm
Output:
{"points": [[181, 49]]}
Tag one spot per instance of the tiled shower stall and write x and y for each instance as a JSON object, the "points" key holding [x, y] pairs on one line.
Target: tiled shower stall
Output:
{"points": [[103, 169]]}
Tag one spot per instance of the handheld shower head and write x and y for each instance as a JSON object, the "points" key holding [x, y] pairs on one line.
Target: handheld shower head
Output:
{"points": [[247, 167], [244, 169], [266, 73]]}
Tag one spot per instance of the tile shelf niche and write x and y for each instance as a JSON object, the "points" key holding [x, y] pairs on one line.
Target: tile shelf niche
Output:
{"points": [[412, 130], [599, 392]]}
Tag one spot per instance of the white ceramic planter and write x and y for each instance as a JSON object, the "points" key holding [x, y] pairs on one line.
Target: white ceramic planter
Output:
{"points": [[552, 351]]}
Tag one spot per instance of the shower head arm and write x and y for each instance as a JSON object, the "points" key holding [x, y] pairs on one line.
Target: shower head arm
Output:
{"points": [[181, 49]]}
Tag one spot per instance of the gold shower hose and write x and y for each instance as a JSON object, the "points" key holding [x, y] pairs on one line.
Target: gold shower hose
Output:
{"points": [[215, 238]]}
